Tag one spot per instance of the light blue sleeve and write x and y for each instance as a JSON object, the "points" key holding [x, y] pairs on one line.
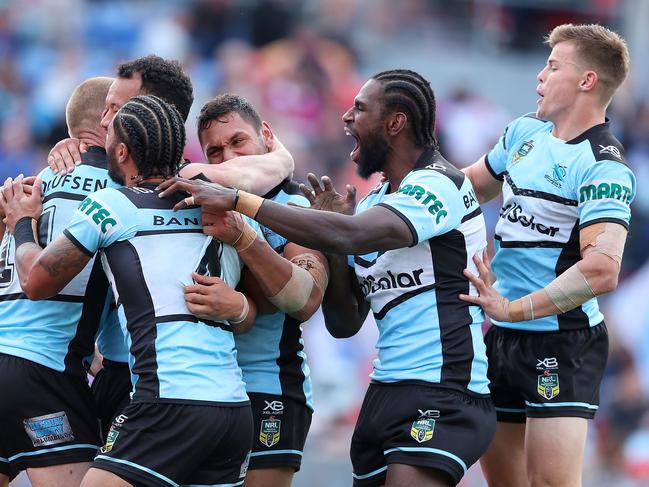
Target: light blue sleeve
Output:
{"points": [[102, 218], [605, 192], [428, 202]]}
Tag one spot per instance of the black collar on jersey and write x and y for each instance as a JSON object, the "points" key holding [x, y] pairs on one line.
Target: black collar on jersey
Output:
{"points": [[288, 185], [95, 156], [592, 133]]}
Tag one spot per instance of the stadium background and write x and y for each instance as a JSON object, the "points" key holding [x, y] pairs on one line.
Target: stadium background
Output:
{"points": [[301, 63]]}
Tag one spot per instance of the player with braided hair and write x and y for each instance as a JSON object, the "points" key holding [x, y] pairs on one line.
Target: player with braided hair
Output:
{"points": [[427, 415], [189, 401]]}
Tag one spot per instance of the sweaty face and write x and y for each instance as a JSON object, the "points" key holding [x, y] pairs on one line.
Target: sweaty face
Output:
{"points": [[114, 170], [364, 121], [120, 91], [559, 82], [231, 136]]}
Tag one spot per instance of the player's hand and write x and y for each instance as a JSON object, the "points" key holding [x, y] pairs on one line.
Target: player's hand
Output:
{"points": [[491, 301], [65, 155], [227, 226], [15, 203], [212, 299], [211, 196], [326, 197]]}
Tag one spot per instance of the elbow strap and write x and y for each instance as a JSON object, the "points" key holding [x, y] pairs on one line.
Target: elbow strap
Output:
{"points": [[570, 289], [295, 293]]}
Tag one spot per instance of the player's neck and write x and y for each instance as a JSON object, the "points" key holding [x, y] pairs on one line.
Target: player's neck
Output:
{"points": [[576, 121], [91, 138], [400, 162]]}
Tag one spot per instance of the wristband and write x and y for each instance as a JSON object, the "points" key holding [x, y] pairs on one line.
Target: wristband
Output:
{"points": [[244, 312], [246, 239], [24, 231], [248, 204]]}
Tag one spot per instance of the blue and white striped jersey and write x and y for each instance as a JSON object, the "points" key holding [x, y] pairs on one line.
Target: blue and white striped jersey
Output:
{"points": [[426, 332], [271, 354], [149, 252], [57, 332], [551, 190]]}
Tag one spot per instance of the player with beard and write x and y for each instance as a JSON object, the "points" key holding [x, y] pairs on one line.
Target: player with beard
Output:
{"points": [[427, 415], [189, 402], [559, 242], [167, 80], [48, 420], [271, 355]]}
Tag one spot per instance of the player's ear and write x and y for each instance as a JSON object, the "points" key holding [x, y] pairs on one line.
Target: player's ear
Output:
{"points": [[395, 123], [589, 81], [267, 135], [122, 152]]}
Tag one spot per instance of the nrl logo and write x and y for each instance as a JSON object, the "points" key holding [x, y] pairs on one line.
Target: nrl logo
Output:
{"points": [[269, 433], [548, 385], [523, 151], [422, 429], [610, 149]]}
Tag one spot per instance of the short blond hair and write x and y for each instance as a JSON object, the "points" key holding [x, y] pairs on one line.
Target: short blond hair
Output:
{"points": [[600, 49], [86, 104]]}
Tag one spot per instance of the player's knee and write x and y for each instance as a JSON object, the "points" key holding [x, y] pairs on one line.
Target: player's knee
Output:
{"points": [[546, 476]]}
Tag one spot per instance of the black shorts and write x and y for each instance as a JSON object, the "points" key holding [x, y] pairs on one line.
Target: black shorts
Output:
{"points": [[422, 425], [111, 390], [46, 417], [281, 425], [546, 374], [167, 444]]}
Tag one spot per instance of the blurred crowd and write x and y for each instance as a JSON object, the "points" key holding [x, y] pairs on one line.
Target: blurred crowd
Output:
{"points": [[301, 63]]}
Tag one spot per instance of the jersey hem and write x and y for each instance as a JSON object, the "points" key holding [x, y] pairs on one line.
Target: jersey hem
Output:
{"points": [[77, 244], [604, 220], [193, 402]]}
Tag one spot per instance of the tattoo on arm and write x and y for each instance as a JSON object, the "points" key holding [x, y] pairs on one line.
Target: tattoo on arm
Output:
{"points": [[62, 256]]}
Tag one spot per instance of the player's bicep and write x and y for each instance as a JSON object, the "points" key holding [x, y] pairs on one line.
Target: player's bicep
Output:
{"points": [[55, 267], [605, 238], [382, 227], [485, 182], [312, 261]]}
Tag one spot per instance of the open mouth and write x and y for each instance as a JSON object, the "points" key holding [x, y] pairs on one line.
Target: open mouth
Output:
{"points": [[356, 150]]}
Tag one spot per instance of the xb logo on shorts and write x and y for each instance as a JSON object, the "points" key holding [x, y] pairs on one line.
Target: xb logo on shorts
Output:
{"points": [[274, 407], [269, 432], [423, 428]]}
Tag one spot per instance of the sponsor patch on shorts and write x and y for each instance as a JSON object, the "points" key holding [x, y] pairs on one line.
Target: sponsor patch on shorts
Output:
{"points": [[270, 430], [49, 429]]}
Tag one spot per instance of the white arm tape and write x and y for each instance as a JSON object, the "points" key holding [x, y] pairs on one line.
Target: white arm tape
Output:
{"points": [[569, 290], [295, 293]]}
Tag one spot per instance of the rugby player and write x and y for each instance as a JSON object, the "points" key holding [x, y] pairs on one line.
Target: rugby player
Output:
{"points": [[271, 355], [559, 242], [165, 79], [189, 420], [427, 415], [47, 416], [153, 75]]}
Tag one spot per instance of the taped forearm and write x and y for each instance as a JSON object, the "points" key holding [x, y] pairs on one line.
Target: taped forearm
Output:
{"points": [[568, 291], [296, 292]]}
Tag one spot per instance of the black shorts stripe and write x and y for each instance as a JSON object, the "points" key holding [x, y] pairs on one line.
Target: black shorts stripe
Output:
{"points": [[140, 316], [569, 256], [449, 256], [532, 193], [95, 301]]}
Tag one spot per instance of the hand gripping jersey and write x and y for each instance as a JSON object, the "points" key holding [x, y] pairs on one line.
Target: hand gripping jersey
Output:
{"points": [[271, 354], [57, 332], [149, 252], [551, 190], [426, 333]]}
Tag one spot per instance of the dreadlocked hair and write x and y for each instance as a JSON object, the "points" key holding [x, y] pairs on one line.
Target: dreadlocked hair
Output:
{"points": [[409, 91], [154, 133]]}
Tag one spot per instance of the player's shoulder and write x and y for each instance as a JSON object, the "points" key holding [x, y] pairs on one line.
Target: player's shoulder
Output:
{"points": [[288, 191], [524, 127], [374, 194], [600, 142], [433, 169]]}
